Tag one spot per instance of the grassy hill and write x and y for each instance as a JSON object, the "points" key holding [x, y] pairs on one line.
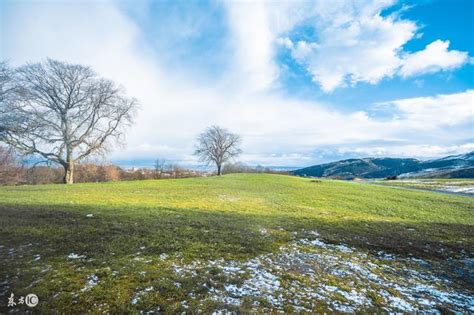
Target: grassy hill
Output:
{"points": [[191, 244]]}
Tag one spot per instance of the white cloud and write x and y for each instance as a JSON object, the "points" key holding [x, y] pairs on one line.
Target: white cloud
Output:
{"points": [[435, 57], [255, 27], [352, 42], [437, 111], [252, 42], [356, 44]]}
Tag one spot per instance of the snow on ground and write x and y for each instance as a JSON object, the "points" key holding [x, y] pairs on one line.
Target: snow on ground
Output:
{"points": [[309, 275], [310, 272], [461, 186], [92, 281], [458, 189], [75, 256]]}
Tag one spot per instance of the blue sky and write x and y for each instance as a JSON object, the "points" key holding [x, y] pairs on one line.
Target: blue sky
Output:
{"points": [[302, 82]]}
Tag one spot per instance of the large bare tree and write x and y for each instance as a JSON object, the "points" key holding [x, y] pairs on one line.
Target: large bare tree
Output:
{"points": [[63, 113], [217, 145]]}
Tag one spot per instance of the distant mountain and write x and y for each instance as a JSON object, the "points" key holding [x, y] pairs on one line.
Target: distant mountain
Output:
{"points": [[454, 166]]}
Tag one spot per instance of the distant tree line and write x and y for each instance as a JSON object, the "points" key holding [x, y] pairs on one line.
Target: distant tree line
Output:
{"points": [[239, 167], [16, 171]]}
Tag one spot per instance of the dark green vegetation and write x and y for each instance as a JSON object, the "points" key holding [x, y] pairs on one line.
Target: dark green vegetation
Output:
{"points": [[455, 166], [129, 255]]}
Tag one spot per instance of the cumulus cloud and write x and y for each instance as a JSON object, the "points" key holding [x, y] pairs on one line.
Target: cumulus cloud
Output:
{"points": [[437, 111], [435, 57], [359, 45], [352, 42]]}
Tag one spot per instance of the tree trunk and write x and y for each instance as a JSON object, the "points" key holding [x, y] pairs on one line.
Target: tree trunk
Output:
{"points": [[219, 171], [69, 173]]}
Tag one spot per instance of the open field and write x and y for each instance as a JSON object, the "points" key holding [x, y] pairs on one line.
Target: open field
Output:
{"points": [[238, 242], [463, 186]]}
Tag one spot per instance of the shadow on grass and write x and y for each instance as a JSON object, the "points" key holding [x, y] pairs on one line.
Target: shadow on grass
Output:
{"points": [[113, 237], [205, 234]]}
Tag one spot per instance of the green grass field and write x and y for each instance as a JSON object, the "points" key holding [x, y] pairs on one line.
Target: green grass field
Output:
{"points": [[189, 244]]}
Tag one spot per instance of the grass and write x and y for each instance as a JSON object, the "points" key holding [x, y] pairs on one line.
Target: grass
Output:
{"points": [[140, 230], [444, 184]]}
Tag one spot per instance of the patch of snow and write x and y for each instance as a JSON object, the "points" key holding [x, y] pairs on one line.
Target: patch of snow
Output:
{"points": [[446, 297], [344, 248], [386, 256], [75, 256], [458, 189], [317, 243], [92, 281], [184, 304], [317, 262], [400, 304], [355, 297]]}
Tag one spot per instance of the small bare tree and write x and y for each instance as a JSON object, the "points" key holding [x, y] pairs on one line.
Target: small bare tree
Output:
{"points": [[217, 145], [11, 169], [160, 166], [63, 113]]}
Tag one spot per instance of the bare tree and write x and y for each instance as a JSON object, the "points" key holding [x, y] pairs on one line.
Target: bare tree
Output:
{"points": [[63, 113], [160, 166], [217, 145]]}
